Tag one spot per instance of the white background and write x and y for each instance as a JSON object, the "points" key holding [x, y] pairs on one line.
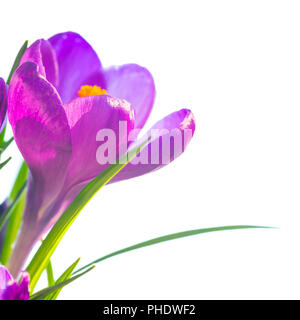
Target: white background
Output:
{"points": [[236, 64]]}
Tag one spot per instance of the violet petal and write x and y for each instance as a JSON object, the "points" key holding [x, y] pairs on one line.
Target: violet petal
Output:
{"points": [[42, 53], [158, 153], [134, 84], [76, 60]]}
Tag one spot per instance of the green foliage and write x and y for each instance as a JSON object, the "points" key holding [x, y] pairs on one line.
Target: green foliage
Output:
{"points": [[15, 216], [169, 237]]}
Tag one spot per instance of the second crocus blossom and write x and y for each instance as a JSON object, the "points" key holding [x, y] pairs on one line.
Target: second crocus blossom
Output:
{"points": [[3, 95], [10, 289], [58, 100]]}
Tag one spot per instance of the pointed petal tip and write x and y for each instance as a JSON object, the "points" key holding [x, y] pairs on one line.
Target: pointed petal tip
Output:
{"points": [[156, 155], [188, 121], [76, 59], [28, 83], [42, 53]]}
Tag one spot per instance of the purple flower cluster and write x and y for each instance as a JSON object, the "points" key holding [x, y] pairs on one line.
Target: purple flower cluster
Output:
{"points": [[57, 101]]}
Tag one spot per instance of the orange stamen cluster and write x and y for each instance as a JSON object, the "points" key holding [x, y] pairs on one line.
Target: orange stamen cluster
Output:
{"points": [[86, 91]]}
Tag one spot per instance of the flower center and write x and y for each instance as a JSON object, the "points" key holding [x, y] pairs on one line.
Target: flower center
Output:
{"points": [[86, 91]]}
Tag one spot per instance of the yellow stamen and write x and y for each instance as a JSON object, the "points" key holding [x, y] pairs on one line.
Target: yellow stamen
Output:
{"points": [[86, 91]]}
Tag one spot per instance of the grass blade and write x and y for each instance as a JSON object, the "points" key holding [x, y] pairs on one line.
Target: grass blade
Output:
{"points": [[17, 61], [20, 180], [4, 145], [4, 163], [7, 213], [168, 237], [65, 276], [2, 135], [50, 276], [15, 219], [41, 295]]}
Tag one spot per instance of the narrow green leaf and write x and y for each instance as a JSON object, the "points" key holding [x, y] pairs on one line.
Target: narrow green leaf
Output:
{"points": [[168, 237], [20, 180], [4, 145], [4, 163], [45, 251], [15, 219], [50, 275], [2, 135], [17, 61], [7, 213], [45, 292], [65, 276]]}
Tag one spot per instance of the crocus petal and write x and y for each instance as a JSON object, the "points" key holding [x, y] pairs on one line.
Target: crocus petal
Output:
{"points": [[5, 277], [76, 60], [134, 84], [42, 133], [23, 291], [3, 96], [178, 126], [42, 53], [87, 117], [11, 289]]}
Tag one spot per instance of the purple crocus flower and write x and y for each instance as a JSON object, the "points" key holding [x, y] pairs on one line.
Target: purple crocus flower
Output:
{"points": [[3, 94], [58, 100], [10, 289]]}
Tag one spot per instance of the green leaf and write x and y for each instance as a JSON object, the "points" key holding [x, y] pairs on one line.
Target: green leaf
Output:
{"points": [[15, 219], [4, 145], [17, 61], [4, 163], [2, 135], [45, 251], [20, 180], [65, 276], [7, 213], [169, 237], [50, 275], [41, 295]]}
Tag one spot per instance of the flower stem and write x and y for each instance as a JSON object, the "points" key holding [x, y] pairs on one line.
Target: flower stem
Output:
{"points": [[24, 244]]}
